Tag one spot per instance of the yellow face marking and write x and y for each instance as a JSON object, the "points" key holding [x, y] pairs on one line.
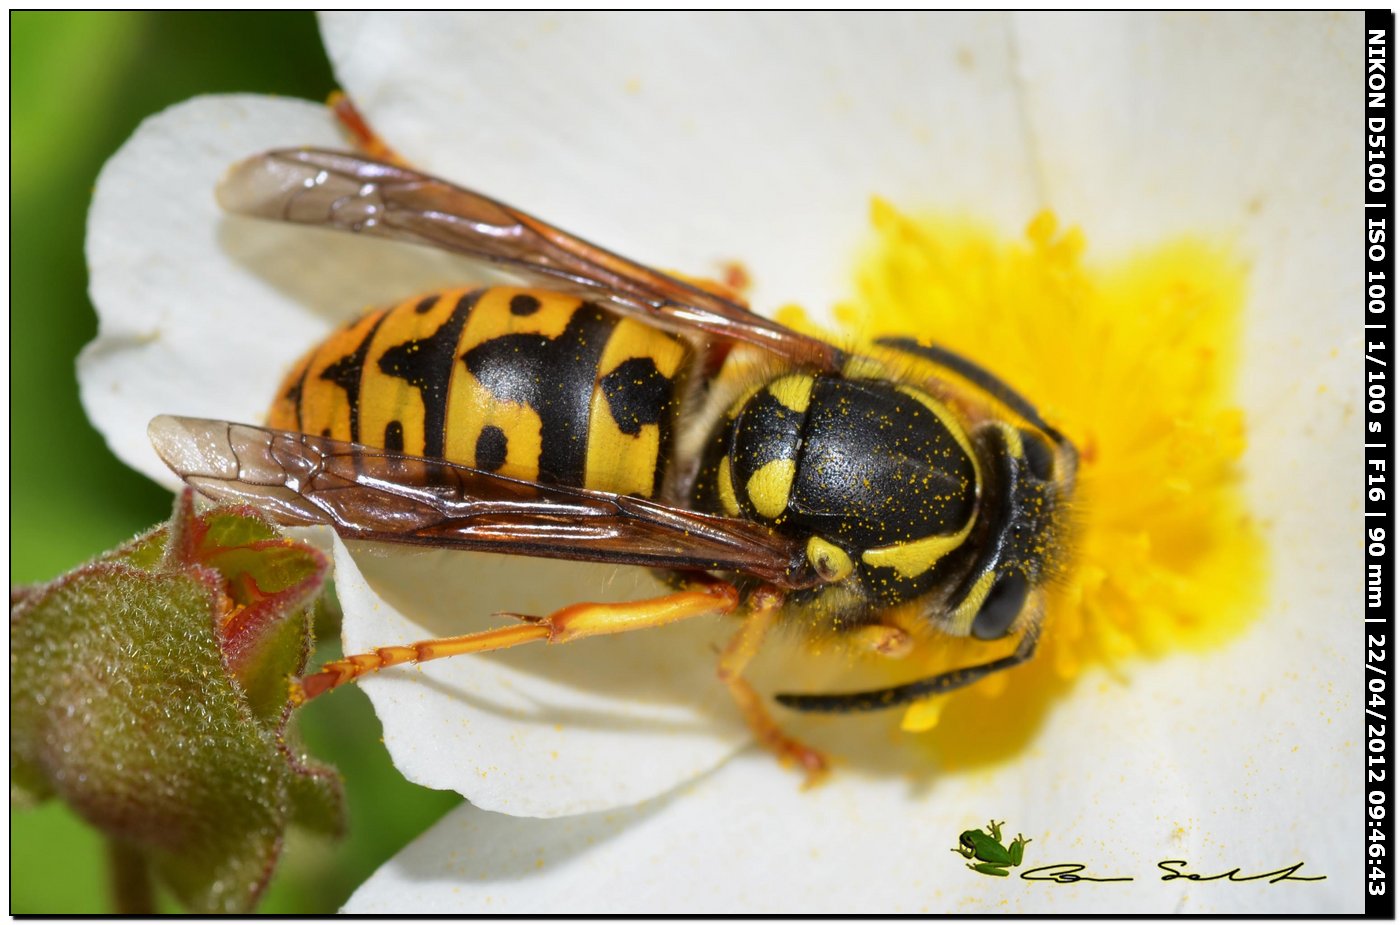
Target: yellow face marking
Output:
{"points": [[793, 392], [830, 560], [617, 461], [960, 620], [725, 483], [769, 487], [1014, 446], [916, 557]]}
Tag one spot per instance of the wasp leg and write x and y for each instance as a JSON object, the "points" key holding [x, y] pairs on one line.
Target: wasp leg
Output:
{"points": [[880, 639], [724, 287], [703, 597], [736, 278], [366, 139], [764, 607]]}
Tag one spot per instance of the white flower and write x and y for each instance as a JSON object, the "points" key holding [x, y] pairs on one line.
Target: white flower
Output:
{"points": [[687, 140]]}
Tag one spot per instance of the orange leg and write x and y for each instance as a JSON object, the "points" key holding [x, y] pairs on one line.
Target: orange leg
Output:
{"points": [[736, 279], [764, 607], [879, 639], [726, 287], [366, 139], [704, 596]]}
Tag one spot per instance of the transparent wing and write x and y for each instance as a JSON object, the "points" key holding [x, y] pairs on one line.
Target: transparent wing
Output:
{"points": [[371, 494], [353, 193]]}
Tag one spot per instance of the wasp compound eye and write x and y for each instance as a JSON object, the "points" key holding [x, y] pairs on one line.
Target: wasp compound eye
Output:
{"points": [[1040, 458], [1003, 604]]}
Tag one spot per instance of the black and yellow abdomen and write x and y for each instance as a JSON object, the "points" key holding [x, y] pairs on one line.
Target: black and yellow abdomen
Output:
{"points": [[528, 383]]}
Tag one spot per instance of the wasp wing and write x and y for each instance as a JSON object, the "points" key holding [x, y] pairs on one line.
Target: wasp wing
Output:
{"points": [[352, 193], [370, 494]]}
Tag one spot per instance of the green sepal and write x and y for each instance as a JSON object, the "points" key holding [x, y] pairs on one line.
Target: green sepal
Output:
{"points": [[317, 797], [129, 703], [146, 551]]}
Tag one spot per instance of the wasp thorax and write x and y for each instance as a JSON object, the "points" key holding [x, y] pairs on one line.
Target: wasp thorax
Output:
{"points": [[881, 476]]}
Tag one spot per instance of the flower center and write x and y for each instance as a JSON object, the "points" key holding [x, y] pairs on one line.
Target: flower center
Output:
{"points": [[1134, 362]]}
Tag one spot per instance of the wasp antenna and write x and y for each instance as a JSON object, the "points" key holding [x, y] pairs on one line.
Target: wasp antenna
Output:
{"points": [[899, 695]]}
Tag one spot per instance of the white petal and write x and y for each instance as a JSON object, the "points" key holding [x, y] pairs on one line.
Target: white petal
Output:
{"points": [[201, 313], [1236, 127], [1227, 126], [747, 840], [535, 731], [685, 140], [773, 166], [1244, 128], [1204, 758], [1190, 121]]}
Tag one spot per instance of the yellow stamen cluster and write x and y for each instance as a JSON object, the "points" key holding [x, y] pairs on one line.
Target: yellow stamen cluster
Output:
{"points": [[1134, 362]]}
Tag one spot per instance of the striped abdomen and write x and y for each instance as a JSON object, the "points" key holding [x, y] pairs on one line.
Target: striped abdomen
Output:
{"points": [[523, 382]]}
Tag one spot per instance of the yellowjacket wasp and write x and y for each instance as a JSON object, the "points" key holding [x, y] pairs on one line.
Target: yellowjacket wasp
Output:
{"points": [[589, 419]]}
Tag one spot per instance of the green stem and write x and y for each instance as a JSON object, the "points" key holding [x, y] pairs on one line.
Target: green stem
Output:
{"points": [[130, 880]]}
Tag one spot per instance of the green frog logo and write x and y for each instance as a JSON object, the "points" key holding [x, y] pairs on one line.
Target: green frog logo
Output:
{"points": [[989, 855]]}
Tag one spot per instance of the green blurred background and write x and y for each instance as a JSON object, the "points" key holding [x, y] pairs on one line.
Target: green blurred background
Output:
{"points": [[80, 83]]}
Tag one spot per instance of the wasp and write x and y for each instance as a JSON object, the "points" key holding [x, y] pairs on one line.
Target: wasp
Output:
{"points": [[587, 416]]}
